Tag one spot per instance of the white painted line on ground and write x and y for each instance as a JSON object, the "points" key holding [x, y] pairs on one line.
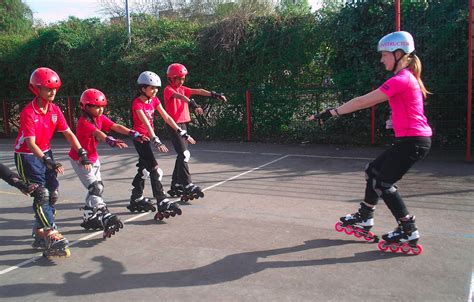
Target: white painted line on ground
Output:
{"points": [[471, 290], [330, 157], [242, 174], [14, 267]]}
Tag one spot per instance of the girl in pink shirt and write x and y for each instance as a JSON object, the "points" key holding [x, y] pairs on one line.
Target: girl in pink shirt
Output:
{"points": [[143, 110], [90, 130], [405, 93]]}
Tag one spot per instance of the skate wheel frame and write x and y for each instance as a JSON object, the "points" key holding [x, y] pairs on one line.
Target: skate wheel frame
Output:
{"points": [[356, 231], [404, 248]]}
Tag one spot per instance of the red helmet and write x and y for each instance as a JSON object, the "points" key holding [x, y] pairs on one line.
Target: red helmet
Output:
{"points": [[176, 70], [44, 77], [92, 97]]}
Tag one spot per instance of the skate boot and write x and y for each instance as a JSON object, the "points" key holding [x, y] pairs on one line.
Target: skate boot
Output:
{"points": [[358, 224], [56, 244], [167, 209], [25, 188], [403, 239], [111, 223], [91, 219], [191, 192], [176, 190], [141, 204]]}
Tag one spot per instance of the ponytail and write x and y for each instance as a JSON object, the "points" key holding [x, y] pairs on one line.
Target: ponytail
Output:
{"points": [[414, 65]]}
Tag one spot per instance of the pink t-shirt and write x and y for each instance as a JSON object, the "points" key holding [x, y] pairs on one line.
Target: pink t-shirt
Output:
{"points": [[84, 133], [148, 109], [406, 101], [178, 109], [41, 126]]}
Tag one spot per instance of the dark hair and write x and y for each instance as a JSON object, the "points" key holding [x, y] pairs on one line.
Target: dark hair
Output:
{"points": [[88, 116]]}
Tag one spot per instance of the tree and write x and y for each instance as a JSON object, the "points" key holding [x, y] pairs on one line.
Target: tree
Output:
{"points": [[15, 17]]}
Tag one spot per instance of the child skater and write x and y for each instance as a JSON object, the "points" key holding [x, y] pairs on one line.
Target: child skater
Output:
{"points": [[14, 180], [177, 102], [35, 161], [143, 109], [90, 131], [405, 93]]}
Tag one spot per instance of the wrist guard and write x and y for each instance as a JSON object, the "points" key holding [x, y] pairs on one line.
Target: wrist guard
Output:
{"points": [[83, 159], [183, 133], [50, 163]]}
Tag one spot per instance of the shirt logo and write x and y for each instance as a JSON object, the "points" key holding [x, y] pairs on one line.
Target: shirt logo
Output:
{"points": [[54, 118]]}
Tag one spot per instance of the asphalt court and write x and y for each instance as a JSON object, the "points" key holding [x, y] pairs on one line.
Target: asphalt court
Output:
{"points": [[263, 232]]}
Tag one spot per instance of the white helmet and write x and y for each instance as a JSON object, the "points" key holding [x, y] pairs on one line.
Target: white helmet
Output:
{"points": [[149, 78], [397, 40]]}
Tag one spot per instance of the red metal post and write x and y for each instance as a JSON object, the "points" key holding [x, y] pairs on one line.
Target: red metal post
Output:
{"points": [[249, 116], [397, 15], [70, 114], [6, 122], [469, 83], [372, 124]]}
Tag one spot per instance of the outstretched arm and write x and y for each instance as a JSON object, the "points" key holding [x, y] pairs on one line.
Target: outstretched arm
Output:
{"points": [[169, 120]]}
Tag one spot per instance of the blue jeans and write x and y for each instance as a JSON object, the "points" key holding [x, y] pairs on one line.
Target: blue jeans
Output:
{"points": [[34, 170]]}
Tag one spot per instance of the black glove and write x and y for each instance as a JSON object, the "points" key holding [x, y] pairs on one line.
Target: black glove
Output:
{"points": [[84, 160], [193, 104], [183, 133], [51, 163], [322, 117], [218, 95]]}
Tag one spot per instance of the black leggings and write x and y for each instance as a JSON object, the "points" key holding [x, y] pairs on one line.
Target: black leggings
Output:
{"points": [[146, 160], [181, 174], [6, 174], [389, 167]]}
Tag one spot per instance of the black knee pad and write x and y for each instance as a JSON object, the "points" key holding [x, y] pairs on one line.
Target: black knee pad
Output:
{"points": [[156, 173], [53, 197], [40, 196], [96, 188]]}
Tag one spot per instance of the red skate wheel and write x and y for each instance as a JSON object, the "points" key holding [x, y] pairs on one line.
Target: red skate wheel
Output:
{"points": [[405, 248], [348, 230], [369, 237], [158, 216], [357, 233], [338, 226], [382, 246], [418, 249], [394, 247]]}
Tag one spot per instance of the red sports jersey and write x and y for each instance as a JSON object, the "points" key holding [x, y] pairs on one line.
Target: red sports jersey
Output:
{"points": [[41, 126], [177, 108], [148, 109], [84, 133]]}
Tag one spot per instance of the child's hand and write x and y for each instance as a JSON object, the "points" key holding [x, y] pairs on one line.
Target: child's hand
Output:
{"points": [[218, 95], [115, 143], [191, 140], [83, 159], [51, 164], [158, 144]]}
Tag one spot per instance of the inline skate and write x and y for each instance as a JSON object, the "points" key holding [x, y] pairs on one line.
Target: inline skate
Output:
{"points": [[111, 223], [141, 204], [91, 219], [167, 209], [191, 191], [404, 239], [176, 190], [56, 245], [358, 224]]}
